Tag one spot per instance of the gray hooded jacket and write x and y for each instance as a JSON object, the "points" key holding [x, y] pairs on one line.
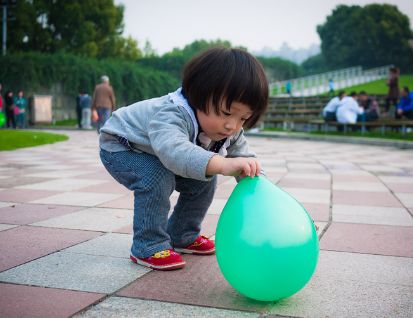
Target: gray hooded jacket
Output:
{"points": [[166, 127]]}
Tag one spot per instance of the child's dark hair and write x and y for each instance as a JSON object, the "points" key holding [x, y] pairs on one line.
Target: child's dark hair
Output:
{"points": [[224, 75]]}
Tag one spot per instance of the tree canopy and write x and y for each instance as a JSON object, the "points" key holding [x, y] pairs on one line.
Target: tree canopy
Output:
{"points": [[370, 36], [90, 28]]}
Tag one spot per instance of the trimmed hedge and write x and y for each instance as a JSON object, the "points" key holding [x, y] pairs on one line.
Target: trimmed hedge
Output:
{"points": [[38, 73]]}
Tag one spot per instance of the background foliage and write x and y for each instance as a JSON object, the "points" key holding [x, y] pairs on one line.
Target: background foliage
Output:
{"points": [[72, 43], [37, 72], [370, 36]]}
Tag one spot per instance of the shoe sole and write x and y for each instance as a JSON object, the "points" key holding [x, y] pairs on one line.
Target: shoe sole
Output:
{"points": [[188, 251], [160, 268]]}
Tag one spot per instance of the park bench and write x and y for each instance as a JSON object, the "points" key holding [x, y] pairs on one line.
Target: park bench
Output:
{"points": [[304, 113], [382, 124]]}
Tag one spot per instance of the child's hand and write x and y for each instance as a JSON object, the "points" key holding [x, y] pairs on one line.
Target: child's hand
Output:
{"points": [[234, 166]]}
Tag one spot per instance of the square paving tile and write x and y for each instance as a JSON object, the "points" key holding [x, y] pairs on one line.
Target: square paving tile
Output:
{"points": [[29, 301], [24, 195], [199, 283], [209, 224], [360, 186], [128, 229], [106, 187], [99, 175], [381, 168], [292, 166], [318, 212], [124, 202], [4, 227], [397, 179], [274, 177], [129, 307], [29, 213], [91, 273], [66, 184], [25, 243], [354, 178], [401, 187], [217, 206], [78, 198], [354, 285], [19, 181], [309, 195], [304, 183], [308, 176], [367, 238], [371, 215], [59, 173], [365, 198], [6, 204], [406, 198], [92, 219], [111, 244], [224, 191]]}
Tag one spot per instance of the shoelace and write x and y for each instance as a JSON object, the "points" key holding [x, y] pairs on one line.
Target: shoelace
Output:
{"points": [[162, 254]]}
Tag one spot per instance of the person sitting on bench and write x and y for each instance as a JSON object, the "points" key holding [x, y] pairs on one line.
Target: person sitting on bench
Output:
{"points": [[405, 106], [329, 111], [370, 106], [349, 109]]}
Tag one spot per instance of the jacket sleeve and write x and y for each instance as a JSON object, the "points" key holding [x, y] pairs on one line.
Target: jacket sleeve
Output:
{"points": [[169, 135]]}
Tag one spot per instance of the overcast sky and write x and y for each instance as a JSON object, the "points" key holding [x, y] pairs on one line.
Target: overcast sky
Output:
{"points": [[251, 23]]}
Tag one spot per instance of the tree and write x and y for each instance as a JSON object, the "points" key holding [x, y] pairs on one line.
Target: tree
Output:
{"points": [[314, 65], [89, 28], [279, 69], [174, 61], [373, 35]]}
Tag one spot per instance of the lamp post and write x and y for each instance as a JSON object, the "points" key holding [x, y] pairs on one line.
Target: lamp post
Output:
{"points": [[5, 4]]}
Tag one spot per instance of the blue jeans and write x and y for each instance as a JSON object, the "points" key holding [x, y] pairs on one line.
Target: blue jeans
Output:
{"points": [[104, 114], [152, 185]]}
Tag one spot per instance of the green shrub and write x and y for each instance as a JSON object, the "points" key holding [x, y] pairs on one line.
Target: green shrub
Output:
{"points": [[37, 72]]}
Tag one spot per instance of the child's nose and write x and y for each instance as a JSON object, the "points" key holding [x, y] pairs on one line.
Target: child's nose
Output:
{"points": [[230, 124]]}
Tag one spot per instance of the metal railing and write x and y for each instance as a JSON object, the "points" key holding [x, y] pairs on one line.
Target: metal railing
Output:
{"points": [[320, 83]]}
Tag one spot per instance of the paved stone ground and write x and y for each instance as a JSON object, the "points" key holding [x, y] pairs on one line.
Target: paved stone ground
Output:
{"points": [[65, 232]]}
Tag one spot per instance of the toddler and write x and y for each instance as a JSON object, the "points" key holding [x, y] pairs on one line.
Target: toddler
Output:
{"points": [[181, 142]]}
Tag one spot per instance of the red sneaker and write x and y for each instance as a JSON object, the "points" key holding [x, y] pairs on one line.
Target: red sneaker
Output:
{"points": [[201, 246], [164, 260]]}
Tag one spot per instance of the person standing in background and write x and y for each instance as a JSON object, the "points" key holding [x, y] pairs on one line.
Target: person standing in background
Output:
{"points": [[85, 105], [9, 107], [21, 104], [393, 84], [331, 87], [78, 110], [103, 101]]}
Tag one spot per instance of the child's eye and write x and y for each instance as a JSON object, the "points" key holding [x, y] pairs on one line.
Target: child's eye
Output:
{"points": [[226, 113]]}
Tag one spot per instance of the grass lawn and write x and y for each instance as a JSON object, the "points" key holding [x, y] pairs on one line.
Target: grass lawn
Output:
{"points": [[14, 139], [379, 87], [368, 134], [66, 122]]}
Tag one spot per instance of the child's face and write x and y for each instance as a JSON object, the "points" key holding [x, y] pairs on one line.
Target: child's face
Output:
{"points": [[228, 122]]}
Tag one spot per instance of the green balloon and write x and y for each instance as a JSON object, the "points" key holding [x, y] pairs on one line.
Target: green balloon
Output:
{"points": [[266, 243], [2, 119]]}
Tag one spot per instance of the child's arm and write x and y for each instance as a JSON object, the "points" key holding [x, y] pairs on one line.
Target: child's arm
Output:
{"points": [[233, 166]]}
